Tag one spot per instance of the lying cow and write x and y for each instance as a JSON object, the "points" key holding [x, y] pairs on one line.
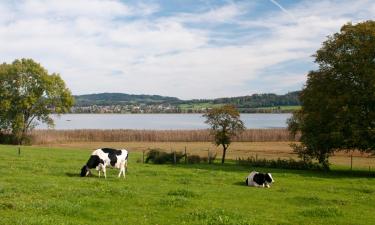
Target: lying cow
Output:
{"points": [[256, 179], [105, 157]]}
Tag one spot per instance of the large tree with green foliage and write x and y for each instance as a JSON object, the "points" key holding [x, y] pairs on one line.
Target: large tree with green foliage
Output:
{"points": [[28, 93], [225, 123], [338, 101]]}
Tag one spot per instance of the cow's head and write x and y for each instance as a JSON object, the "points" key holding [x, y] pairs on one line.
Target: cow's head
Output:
{"points": [[85, 171], [268, 178]]}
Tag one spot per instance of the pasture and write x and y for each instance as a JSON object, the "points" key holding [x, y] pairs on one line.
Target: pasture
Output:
{"points": [[42, 186]]}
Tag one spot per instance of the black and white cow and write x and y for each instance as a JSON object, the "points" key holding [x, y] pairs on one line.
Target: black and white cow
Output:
{"points": [[256, 179], [105, 157]]}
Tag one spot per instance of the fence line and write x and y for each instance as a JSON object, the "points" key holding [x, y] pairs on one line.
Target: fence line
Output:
{"points": [[87, 135]]}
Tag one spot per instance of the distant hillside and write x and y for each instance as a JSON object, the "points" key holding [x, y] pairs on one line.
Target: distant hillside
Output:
{"points": [[256, 103], [121, 99], [255, 100], [125, 103], [262, 100]]}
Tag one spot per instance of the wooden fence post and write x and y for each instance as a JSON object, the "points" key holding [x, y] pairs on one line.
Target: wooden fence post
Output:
{"points": [[369, 171], [19, 150], [209, 156], [351, 162], [185, 156], [174, 157], [143, 156]]}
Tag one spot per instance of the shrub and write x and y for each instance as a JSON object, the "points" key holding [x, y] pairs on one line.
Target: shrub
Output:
{"points": [[192, 159], [158, 156], [280, 163], [6, 138]]}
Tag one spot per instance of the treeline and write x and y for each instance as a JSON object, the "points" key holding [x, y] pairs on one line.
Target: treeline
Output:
{"points": [[255, 100]]}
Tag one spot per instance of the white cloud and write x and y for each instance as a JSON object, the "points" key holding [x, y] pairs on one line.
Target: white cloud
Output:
{"points": [[72, 8], [223, 14], [111, 46]]}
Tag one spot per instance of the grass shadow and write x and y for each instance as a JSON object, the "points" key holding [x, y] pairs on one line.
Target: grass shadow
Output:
{"points": [[232, 166], [72, 174], [336, 173], [240, 183]]}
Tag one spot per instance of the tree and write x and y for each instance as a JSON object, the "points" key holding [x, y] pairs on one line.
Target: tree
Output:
{"points": [[338, 100], [225, 123], [29, 93]]}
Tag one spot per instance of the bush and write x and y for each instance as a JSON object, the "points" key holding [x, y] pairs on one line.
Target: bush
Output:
{"points": [[7, 138], [192, 159], [280, 163], [158, 156]]}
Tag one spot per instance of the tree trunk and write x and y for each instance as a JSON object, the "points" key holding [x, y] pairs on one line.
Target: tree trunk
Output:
{"points": [[224, 152], [323, 160]]}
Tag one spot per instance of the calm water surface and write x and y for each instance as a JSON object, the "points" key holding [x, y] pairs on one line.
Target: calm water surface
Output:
{"points": [[158, 121]]}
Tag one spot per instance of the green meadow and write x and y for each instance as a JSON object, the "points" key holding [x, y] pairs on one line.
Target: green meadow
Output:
{"points": [[42, 186]]}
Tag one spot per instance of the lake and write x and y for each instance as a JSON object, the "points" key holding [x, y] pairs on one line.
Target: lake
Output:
{"points": [[157, 121]]}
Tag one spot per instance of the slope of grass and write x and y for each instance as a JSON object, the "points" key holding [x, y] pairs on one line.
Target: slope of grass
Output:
{"points": [[42, 186], [198, 106]]}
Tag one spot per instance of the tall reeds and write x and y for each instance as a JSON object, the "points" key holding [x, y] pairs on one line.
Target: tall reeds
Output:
{"points": [[85, 135]]}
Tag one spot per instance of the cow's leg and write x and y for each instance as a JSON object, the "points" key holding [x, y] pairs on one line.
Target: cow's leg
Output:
{"points": [[121, 166], [99, 173], [124, 170], [104, 171]]}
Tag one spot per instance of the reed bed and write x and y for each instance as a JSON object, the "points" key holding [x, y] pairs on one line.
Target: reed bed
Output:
{"points": [[119, 135]]}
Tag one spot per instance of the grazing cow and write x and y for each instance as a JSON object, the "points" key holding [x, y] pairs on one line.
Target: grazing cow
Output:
{"points": [[104, 157], [256, 179]]}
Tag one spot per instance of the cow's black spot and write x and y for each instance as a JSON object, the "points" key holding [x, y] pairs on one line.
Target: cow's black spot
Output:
{"points": [[112, 155], [259, 178], [94, 161], [112, 151], [268, 178]]}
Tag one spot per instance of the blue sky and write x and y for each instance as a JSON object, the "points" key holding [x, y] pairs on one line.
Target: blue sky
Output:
{"points": [[183, 48]]}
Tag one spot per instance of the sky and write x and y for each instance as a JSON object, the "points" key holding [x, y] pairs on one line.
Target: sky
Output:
{"points": [[190, 49]]}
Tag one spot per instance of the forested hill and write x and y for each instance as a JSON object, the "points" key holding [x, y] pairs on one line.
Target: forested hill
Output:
{"points": [[126, 103], [257, 100], [121, 99]]}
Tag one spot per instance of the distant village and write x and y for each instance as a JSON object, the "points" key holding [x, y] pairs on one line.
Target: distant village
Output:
{"points": [[135, 108]]}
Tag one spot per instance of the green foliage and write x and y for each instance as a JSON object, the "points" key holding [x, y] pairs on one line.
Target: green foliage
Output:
{"points": [[280, 163], [225, 123], [159, 156], [28, 92], [338, 101]]}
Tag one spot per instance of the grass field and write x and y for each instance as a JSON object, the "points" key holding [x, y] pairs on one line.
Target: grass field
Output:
{"points": [[198, 106], [42, 186]]}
